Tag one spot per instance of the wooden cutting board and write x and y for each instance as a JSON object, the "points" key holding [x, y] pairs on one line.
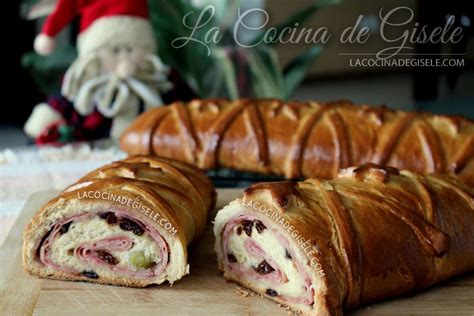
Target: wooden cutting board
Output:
{"points": [[203, 292]]}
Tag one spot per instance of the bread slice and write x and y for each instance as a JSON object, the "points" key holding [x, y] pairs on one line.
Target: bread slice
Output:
{"points": [[128, 223]]}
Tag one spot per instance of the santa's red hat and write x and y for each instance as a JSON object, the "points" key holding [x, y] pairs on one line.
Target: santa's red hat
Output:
{"points": [[101, 22]]}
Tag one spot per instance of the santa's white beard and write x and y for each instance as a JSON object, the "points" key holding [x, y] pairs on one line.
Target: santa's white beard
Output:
{"points": [[114, 97]]}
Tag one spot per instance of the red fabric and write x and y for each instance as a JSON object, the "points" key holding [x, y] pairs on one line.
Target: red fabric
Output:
{"points": [[91, 10]]}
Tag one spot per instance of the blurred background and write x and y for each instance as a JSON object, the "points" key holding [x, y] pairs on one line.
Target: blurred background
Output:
{"points": [[292, 71]]}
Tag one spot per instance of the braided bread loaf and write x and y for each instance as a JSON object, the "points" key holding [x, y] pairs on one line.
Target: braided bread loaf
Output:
{"points": [[127, 223], [307, 139], [321, 246]]}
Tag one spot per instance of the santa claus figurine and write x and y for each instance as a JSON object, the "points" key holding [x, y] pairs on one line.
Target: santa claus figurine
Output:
{"points": [[116, 74]]}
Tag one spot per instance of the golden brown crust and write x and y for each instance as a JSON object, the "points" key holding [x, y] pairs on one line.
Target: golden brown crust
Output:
{"points": [[309, 139], [381, 233], [180, 193]]}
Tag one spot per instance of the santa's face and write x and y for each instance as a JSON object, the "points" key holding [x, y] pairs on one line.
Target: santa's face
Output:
{"points": [[124, 60], [114, 79]]}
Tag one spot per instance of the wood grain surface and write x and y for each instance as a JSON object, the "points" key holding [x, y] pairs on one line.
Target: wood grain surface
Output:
{"points": [[203, 292]]}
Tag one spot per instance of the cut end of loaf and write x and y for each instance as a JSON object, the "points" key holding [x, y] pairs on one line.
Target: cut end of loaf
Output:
{"points": [[255, 252], [100, 244], [126, 223]]}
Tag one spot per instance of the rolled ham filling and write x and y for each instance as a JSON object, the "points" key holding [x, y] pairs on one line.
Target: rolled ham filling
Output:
{"points": [[108, 243], [260, 257]]}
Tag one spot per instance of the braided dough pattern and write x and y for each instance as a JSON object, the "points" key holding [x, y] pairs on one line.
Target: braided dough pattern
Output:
{"points": [[309, 139]]}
